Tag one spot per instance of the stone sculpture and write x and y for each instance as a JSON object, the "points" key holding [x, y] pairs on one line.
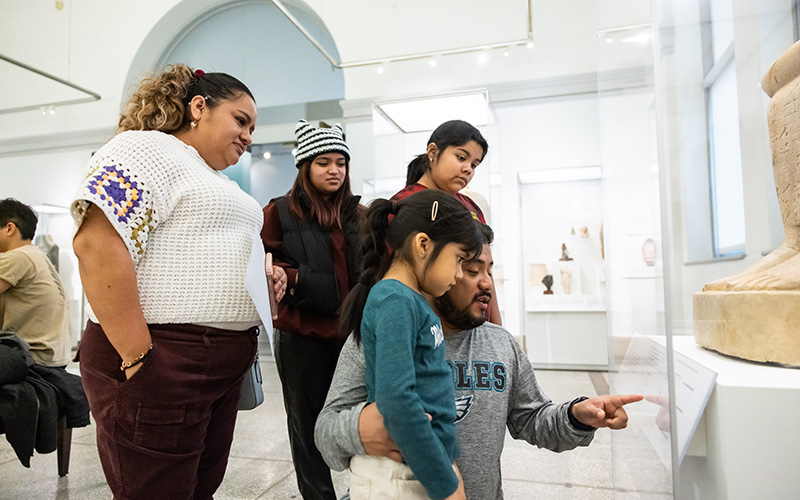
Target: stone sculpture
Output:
{"points": [[752, 314], [566, 280], [548, 283], [564, 252], [48, 246]]}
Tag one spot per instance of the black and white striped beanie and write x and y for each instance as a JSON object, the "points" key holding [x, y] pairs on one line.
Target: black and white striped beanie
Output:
{"points": [[316, 141]]}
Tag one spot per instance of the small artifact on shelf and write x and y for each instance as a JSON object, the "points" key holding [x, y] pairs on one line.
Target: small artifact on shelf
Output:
{"points": [[537, 272], [602, 243], [649, 252], [566, 280], [564, 252], [548, 283], [584, 232], [47, 245], [753, 314]]}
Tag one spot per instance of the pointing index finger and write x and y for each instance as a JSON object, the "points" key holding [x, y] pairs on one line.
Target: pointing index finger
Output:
{"points": [[629, 398]]}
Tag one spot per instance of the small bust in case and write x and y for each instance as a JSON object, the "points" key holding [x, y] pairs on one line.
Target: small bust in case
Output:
{"points": [[548, 283]]}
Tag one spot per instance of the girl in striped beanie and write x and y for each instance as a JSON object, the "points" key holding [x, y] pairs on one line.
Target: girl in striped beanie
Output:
{"points": [[313, 235]]}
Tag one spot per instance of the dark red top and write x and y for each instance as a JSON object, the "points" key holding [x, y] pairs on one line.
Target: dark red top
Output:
{"points": [[464, 199], [291, 319]]}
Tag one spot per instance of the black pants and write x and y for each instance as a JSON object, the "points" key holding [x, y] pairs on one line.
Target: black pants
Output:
{"points": [[306, 367]]}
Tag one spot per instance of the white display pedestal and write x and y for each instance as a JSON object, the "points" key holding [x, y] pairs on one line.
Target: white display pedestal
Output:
{"points": [[752, 432], [567, 332]]}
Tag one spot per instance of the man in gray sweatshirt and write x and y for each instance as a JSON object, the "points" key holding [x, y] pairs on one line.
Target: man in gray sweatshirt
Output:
{"points": [[495, 388]]}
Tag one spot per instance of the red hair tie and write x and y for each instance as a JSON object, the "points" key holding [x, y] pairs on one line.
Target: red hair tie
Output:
{"points": [[199, 72]]}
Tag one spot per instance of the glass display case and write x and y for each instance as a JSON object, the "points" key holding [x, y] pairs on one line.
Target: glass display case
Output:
{"points": [[686, 165], [631, 189], [54, 236], [561, 230]]}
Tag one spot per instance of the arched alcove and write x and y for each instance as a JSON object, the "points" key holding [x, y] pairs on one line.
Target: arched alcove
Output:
{"points": [[255, 42]]}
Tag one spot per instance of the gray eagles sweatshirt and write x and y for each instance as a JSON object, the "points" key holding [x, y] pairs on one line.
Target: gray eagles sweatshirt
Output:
{"points": [[495, 389]]}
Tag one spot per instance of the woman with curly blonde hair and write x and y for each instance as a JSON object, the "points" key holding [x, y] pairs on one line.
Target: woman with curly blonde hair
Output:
{"points": [[163, 242]]}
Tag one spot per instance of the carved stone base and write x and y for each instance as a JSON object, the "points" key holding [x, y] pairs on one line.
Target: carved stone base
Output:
{"points": [[758, 325]]}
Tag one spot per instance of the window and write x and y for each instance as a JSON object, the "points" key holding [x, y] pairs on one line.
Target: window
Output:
{"points": [[725, 160], [796, 19]]}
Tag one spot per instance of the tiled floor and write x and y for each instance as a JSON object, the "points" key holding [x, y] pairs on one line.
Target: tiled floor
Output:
{"points": [[260, 466]]}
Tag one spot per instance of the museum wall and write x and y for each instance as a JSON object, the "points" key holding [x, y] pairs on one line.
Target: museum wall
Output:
{"points": [[103, 46]]}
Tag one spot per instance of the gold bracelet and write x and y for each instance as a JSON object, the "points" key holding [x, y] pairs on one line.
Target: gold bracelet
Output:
{"points": [[127, 364]]}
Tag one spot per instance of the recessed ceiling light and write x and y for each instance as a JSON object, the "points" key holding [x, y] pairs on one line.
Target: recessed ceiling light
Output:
{"points": [[566, 174], [640, 38], [427, 113]]}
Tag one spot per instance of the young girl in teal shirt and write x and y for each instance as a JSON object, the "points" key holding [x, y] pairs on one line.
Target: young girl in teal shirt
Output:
{"points": [[431, 234]]}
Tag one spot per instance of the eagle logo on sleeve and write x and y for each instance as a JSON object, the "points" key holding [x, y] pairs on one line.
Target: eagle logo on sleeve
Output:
{"points": [[438, 335], [463, 405]]}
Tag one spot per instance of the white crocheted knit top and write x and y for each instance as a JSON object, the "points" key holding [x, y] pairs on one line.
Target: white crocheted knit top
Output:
{"points": [[189, 229]]}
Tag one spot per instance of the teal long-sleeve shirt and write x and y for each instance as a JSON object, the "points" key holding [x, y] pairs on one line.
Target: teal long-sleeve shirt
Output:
{"points": [[407, 377]]}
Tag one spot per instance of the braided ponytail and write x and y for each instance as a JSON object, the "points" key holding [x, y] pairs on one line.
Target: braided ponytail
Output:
{"points": [[376, 261]]}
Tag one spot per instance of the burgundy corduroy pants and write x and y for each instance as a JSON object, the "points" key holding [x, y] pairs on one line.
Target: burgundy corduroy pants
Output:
{"points": [[166, 432]]}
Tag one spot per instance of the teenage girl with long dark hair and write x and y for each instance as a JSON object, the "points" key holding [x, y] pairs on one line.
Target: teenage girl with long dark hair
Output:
{"points": [[455, 149], [312, 233]]}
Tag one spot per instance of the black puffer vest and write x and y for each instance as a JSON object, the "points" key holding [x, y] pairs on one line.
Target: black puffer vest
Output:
{"points": [[307, 246]]}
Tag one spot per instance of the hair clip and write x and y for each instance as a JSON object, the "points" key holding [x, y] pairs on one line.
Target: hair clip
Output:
{"points": [[434, 210], [199, 72]]}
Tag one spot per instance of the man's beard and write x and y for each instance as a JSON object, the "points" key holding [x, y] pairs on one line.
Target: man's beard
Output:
{"points": [[462, 319]]}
